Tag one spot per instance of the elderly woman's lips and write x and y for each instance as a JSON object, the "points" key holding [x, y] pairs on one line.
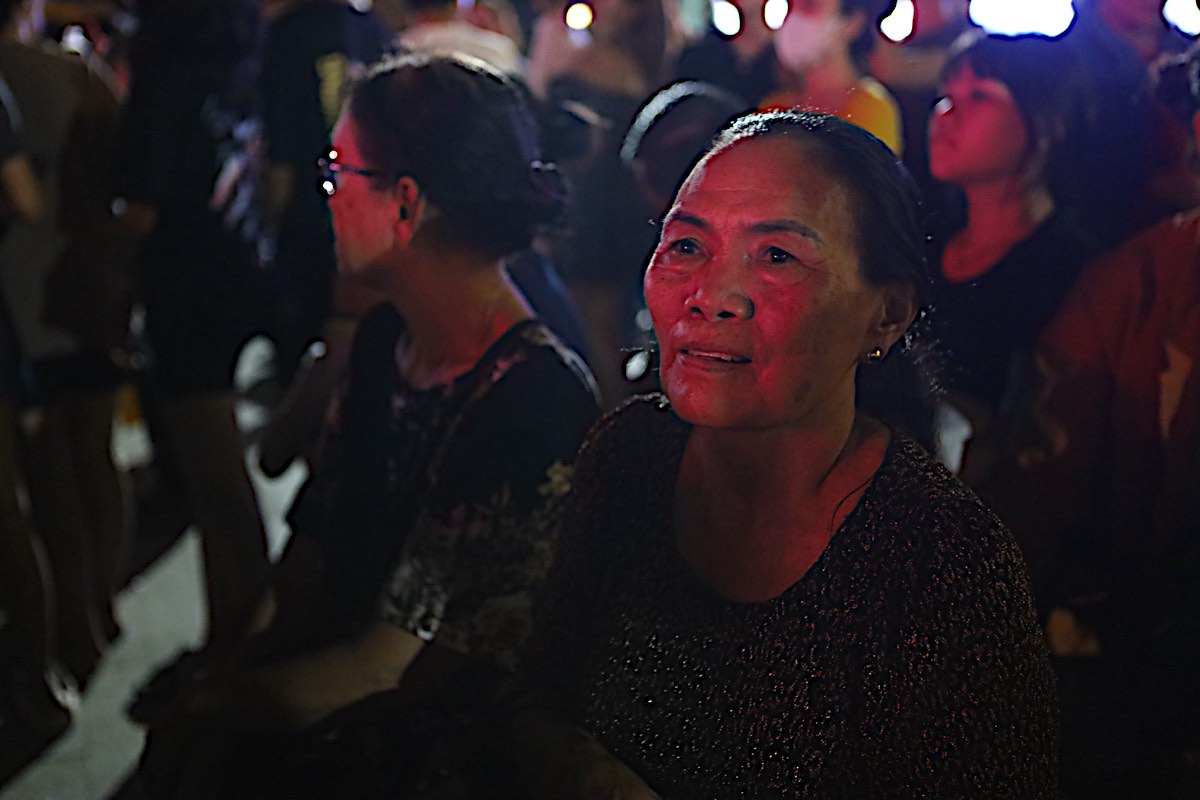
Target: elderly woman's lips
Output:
{"points": [[714, 356]]}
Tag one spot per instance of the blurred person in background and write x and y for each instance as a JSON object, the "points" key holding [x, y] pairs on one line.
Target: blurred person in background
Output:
{"points": [[67, 287], [439, 28], [188, 133], [1103, 496], [31, 715], [912, 70], [1006, 138], [430, 512], [822, 48], [311, 52], [620, 66], [742, 62], [1139, 164]]}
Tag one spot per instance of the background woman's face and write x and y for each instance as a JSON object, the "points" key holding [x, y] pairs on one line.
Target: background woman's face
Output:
{"points": [[976, 132], [362, 221], [758, 301]]}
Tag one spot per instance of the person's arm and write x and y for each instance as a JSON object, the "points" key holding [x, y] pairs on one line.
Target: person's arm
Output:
{"points": [[295, 693], [23, 196]]}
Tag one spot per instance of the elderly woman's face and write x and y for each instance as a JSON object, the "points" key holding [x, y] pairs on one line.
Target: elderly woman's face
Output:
{"points": [[760, 307]]}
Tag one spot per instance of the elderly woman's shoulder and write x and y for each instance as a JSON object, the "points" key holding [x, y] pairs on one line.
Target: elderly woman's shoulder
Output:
{"points": [[928, 511]]}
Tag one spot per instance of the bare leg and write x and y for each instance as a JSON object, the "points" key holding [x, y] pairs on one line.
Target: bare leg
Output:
{"points": [[205, 439]]}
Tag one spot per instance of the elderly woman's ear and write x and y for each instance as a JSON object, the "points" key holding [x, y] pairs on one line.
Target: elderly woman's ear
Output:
{"points": [[897, 310]]}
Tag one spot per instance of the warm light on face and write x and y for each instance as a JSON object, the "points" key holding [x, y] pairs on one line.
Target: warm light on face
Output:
{"points": [[774, 12], [726, 18], [1183, 14], [1015, 17], [898, 25], [579, 16]]}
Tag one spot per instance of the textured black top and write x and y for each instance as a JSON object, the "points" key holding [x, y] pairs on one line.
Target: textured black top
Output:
{"points": [[434, 509], [906, 663]]}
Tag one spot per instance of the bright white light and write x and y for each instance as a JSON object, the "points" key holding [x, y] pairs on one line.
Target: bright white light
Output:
{"points": [[74, 40], [726, 18], [898, 25], [579, 16], [1183, 14], [774, 12], [1014, 17]]}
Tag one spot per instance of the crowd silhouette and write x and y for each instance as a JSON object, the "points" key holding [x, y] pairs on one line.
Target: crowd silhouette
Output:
{"points": [[882, 351]]}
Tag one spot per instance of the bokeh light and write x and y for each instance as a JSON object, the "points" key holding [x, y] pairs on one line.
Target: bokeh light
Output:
{"points": [[726, 18], [898, 25], [1183, 14], [579, 16], [1015, 17], [774, 12]]}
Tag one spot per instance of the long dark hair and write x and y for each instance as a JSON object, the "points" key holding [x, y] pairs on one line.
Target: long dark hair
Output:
{"points": [[889, 232], [466, 134], [1050, 88]]}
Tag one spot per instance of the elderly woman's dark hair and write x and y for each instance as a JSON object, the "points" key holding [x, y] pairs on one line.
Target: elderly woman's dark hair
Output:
{"points": [[1050, 86], [467, 136], [890, 238]]}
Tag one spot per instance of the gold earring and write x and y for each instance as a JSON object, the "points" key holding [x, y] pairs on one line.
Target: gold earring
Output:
{"points": [[874, 355]]}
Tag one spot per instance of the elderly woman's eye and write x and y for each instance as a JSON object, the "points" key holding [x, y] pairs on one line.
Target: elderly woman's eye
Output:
{"points": [[777, 256], [685, 247]]}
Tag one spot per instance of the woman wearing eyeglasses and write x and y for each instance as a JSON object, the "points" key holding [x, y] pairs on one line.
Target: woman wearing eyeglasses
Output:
{"points": [[426, 522]]}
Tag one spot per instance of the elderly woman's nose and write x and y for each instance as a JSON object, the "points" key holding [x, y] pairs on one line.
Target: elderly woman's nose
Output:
{"points": [[721, 301]]}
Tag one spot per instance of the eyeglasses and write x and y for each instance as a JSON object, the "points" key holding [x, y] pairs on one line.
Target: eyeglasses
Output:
{"points": [[329, 167]]}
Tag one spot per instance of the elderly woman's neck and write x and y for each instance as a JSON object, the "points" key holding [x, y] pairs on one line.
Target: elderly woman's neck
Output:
{"points": [[455, 306], [777, 462]]}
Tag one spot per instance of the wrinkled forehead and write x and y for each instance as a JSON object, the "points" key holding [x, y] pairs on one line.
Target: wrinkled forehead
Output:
{"points": [[770, 164]]}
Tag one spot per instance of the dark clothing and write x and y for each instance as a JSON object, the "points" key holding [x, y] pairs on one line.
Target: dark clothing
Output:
{"points": [[1109, 515], [1112, 510], [310, 55], [201, 288], [906, 662], [599, 248], [441, 501], [987, 326], [1116, 157], [66, 291], [713, 60]]}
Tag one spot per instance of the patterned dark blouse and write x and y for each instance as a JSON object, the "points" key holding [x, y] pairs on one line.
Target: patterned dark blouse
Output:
{"points": [[906, 663], [434, 509]]}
